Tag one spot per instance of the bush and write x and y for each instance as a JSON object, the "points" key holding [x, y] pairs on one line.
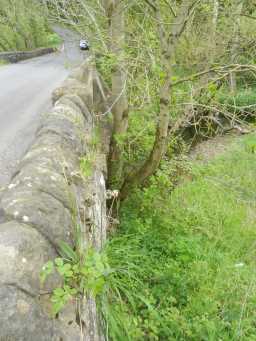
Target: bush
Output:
{"points": [[53, 40]]}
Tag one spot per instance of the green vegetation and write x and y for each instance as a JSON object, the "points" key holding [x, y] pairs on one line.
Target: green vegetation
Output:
{"points": [[179, 65], [53, 40], [243, 101], [24, 26], [3, 62], [86, 165], [181, 267], [82, 273], [181, 264], [186, 258]]}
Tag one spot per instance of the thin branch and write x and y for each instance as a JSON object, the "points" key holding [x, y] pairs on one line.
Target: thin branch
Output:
{"points": [[248, 16], [171, 8], [151, 5], [233, 67]]}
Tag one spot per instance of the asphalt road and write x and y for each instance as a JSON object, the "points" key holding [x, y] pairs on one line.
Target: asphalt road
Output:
{"points": [[25, 94]]}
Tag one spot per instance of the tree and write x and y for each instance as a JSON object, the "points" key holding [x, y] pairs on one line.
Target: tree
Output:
{"points": [[148, 50], [167, 43], [115, 14]]}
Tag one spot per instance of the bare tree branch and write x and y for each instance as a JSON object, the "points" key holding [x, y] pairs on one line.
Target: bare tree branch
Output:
{"points": [[151, 5], [171, 8]]}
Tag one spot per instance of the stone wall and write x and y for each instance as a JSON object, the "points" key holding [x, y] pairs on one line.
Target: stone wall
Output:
{"points": [[17, 56], [46, 198]]}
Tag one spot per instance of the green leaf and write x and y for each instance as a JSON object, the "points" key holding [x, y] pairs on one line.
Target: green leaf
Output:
{"points": [[75, 269], [57, 306], [58, 292], [65, 270], [59, 261]]}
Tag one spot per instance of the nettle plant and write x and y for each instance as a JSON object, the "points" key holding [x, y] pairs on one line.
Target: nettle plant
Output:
{"points": [[82, 273]]}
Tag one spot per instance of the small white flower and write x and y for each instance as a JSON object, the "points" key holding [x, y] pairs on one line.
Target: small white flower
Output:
{"points": [[115, 193], [24, 260], [112, 194], [239, 265], [25, 218], [29, 184], [16, 213]]}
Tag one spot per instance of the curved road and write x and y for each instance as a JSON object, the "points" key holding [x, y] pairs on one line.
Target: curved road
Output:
{"points": [[25, 93]]}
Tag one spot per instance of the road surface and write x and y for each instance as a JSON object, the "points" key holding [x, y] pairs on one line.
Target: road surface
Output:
{"points": [[25, 94]]}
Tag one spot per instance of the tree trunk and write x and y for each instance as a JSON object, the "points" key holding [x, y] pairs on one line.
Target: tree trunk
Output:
{"points": [[115, 12], [235, 43], [215, 15]]}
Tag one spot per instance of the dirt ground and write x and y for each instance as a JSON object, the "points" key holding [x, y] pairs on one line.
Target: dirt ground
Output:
{"points": [[209, 149]]}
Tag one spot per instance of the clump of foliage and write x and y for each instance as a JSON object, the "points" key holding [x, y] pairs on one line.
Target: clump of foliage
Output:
{"points": [[53, 40], [187, 257], [24, 26], [82, 274]]}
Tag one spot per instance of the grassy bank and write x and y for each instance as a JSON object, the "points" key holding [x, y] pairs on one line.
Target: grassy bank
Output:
{"points": [[185, 260]]}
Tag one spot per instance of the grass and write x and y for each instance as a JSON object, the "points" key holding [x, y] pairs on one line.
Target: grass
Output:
{"points": [[186, 258]]}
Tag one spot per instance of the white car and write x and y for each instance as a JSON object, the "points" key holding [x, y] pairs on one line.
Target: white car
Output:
{"points": [[84, 45]]}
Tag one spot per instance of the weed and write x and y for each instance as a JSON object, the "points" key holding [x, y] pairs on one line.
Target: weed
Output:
{"points": [[81, 273], [86, 164]]}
